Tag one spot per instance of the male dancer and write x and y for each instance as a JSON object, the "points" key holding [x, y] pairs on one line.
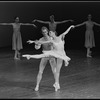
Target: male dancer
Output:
{"points": [[52, 61]]}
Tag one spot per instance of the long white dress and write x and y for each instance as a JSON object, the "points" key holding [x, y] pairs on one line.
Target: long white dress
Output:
{"points": [[89, 35], [16, 39], [57, 51]]}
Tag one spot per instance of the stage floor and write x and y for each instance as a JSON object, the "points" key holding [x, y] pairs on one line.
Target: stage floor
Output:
{"points": [[81, 79]]}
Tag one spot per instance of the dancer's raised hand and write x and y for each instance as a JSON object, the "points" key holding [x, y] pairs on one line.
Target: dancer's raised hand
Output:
{"points": [[72, 26], [36, 42], [34, 20], [30, 41]]}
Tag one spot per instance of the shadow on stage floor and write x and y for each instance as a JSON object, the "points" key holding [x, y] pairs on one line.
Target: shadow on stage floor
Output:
{"points": [[81, 79]]}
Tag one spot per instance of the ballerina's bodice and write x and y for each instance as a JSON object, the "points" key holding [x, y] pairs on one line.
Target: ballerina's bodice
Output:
{"points": [[16, 27], [89, 26], [52, 27], [59, 46]]}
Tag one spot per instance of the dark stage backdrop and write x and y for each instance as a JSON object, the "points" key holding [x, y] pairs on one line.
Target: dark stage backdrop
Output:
{"points": [[28, 11]]}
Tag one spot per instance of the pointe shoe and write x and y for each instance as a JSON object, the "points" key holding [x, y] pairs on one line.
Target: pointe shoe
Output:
{"points": [[36, 88], [66, 63], [57, 86]]}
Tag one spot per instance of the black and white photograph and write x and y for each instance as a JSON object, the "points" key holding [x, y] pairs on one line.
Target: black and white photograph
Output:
{"points": [[49, 49]]}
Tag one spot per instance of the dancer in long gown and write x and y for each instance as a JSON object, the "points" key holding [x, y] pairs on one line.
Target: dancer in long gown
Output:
{"points": [[16, 38], [57, 51], [44, 60], [89, 35], [52, 23]]}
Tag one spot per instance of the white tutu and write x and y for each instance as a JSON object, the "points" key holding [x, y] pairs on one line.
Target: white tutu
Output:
{"points": [[54, 53], [60, 55]]}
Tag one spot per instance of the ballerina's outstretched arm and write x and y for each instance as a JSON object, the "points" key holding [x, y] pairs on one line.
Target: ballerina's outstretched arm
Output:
{"points": [[6, 23], [72, 26], [80, 24], [63, 21], [96, 24], [63, 34], [37, 56], [40, 21], [28, 24]]}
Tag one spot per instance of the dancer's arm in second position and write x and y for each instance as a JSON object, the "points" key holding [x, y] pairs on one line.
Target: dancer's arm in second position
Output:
{"points": [[40, 21], [60, 22], [6, 23], [80, 24], [28, 24], [96, 24]]}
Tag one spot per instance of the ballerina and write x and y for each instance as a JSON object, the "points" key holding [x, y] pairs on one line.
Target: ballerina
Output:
{"points": [[16, 38], [57, 51], [89, 35]]}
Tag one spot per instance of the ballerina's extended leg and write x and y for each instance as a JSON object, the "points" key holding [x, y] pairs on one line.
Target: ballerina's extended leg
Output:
{"points": [[34, 56], [27, 56]]}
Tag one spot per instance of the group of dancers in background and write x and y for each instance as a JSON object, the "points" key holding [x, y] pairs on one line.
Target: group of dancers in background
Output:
{"points": [[52, 45]]}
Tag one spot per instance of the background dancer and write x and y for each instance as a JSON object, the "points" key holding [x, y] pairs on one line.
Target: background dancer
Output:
{"points": [[89, 35], [52, 23], [16, 38]]}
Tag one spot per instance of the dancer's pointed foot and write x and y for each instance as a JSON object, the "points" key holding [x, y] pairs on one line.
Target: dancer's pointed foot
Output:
{"points": [[66, 63], [36, 88], [57, 86]]}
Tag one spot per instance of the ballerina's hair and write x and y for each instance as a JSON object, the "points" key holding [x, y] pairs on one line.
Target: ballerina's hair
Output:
{"points": [[89, 15], [16, 17], [52, 17]]}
